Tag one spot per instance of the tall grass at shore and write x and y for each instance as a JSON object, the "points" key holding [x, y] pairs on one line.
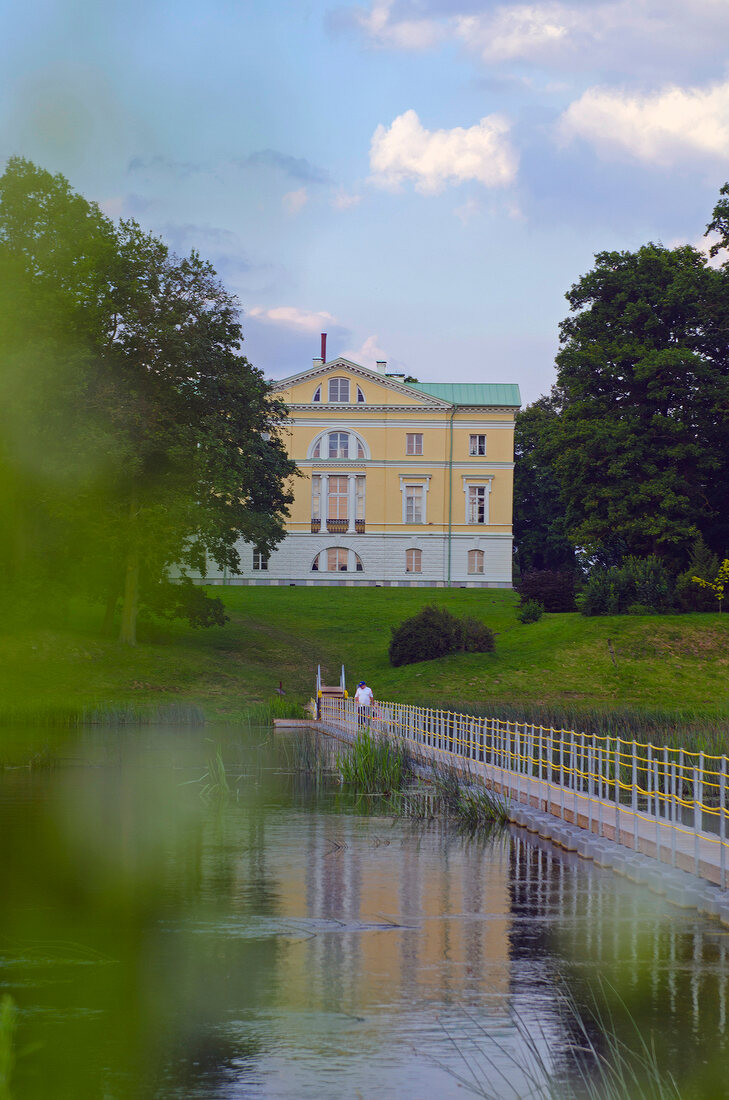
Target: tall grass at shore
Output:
{"points": [[467, 800], [51, 716], [604, 1068], [373, 765], [262, 713]]}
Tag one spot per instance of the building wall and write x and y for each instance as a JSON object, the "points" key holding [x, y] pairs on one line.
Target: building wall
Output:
{"points": [[389, 412], [383, 561]]}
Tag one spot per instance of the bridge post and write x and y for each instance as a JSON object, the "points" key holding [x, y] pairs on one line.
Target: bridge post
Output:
{"points": [[617, 788], [722, 821]]}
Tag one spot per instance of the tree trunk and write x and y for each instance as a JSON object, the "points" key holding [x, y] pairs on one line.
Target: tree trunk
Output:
{"points": [[112, 600], [128, 632]]}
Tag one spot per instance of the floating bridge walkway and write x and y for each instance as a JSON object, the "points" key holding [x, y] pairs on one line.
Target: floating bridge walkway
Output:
{"points": [[630, 805]]}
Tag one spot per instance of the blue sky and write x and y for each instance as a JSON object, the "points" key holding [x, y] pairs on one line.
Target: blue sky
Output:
{"points": [[421, 179]]}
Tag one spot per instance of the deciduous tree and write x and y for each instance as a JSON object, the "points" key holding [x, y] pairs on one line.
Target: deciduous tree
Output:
{"points": [[140, 441], [643, 440]]}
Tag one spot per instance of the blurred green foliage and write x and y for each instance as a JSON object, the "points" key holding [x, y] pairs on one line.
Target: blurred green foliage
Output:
{"points": [[131, 428]]}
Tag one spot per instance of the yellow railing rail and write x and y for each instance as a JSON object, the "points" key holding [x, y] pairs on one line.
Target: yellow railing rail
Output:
{"points": [[678, 791]]}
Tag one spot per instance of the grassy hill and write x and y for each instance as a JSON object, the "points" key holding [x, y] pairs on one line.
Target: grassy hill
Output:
{"points": [[654, 671]]}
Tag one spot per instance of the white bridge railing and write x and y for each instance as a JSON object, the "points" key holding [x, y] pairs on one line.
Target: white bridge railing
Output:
{"points": [[669, 802]]}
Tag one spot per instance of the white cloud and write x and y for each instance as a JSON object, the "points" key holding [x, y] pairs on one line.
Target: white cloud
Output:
{"points": [[290, 317], [345, 201], [407, 151], [294, 201], [523, 31], [368, 355], [664, 128], [673, 39], [404, 34]]}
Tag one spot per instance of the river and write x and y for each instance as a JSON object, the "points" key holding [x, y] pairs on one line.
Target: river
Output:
{"points": [[289, 940]]}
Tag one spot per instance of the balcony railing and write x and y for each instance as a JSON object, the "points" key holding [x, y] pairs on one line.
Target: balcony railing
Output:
{"points": [[359, 526], [338, 526], [315, 526]]}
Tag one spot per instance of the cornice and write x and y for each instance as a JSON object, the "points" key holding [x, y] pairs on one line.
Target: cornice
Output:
{"points": [[361, 372], [363, 407]]}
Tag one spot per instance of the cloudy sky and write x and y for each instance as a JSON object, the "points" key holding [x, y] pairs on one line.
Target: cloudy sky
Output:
{"points": [[421, 179]]}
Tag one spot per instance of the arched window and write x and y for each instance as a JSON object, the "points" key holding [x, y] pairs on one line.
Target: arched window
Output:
{"points": [[338, 445], [339, 390], [360, 396], [475, 561], [413, 561], [337, 559], [317, 394]]}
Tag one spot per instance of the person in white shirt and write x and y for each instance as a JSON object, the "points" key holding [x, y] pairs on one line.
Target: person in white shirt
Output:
{"points": [[364, 699]]}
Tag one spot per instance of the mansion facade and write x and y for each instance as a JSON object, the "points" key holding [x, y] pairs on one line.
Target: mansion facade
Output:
{"points": [[403, 483]]}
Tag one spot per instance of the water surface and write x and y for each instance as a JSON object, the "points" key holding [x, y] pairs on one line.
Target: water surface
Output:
{"points": [[296, 942]]}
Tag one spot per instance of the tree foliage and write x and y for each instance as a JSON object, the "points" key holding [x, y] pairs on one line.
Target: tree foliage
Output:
{"points": [[643, 381], [136, 439], [704, 564], [554, 590], [541, 540], [637, 586]]}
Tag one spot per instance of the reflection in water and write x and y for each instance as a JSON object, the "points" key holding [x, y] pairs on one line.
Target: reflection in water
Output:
{"points": [[293, 943]]}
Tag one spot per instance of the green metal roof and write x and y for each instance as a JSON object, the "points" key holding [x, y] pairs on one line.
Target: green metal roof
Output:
{"points": [[470, 393]]}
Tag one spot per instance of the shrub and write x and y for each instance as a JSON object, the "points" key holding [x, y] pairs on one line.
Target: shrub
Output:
{"points": [[475, 636], [434, 632], [640, 582], [553, 589], [689, 595], [530, 611]]}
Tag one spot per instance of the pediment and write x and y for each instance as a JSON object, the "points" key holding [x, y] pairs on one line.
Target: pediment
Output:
{"points": [[342, 365]]}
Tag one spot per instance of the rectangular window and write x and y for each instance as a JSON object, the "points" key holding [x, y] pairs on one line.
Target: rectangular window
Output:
{"points": [[477, 444], [337, 559], [475, 561], [413, 561], [316, 496], [413, 503], [260, 560], [339, 389], [414, 445], [477, 504], [359, 498], [338, 445], [338, 498]]}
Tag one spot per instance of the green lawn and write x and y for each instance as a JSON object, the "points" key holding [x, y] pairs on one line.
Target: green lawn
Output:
{"points": [[562, 664]]}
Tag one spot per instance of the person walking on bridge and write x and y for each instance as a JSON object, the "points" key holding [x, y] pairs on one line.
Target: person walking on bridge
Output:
{"points": [[364, 699]]}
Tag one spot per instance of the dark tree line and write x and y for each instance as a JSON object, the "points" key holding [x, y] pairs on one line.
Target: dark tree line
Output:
{"points": [[629, 454], [135, 439]]}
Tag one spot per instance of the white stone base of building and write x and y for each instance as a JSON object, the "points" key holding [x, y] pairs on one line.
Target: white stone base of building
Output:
{"points": [[383, 561]]}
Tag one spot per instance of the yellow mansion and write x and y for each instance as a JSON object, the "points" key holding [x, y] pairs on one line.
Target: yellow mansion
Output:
{"points": [[403, 484]]}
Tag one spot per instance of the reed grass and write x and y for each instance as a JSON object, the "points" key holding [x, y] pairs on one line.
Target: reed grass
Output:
{"points": [[107, 715], [472, 804], [608, 1068], [373, 765], [262, 713], [215, 780], [304, 754]]}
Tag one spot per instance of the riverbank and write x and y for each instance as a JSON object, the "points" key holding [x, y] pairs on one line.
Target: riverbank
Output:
{"points": [[653, 671]]}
